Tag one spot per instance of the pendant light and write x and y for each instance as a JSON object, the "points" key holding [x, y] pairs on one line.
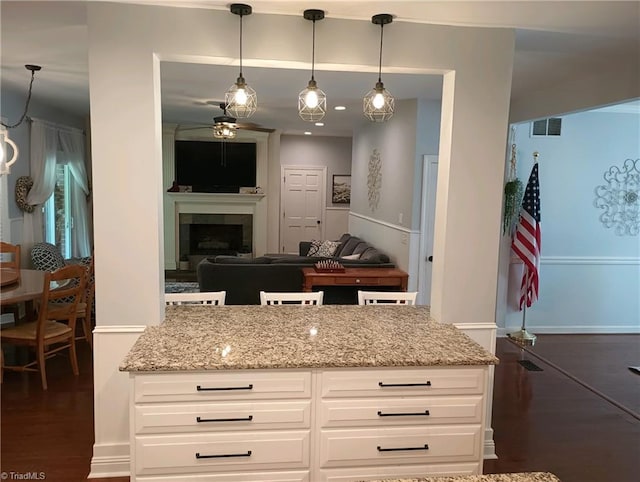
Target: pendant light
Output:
{"points": [[5, 161], [224, 126], [378, 104], [312, 102], [241, 100]]}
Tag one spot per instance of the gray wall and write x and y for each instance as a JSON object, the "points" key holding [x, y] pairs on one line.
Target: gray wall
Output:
{"points": [[332, 152]]}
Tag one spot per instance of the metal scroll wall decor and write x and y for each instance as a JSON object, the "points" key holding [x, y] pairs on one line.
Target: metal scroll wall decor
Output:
{"points": [[374, 179], [618, 198]]}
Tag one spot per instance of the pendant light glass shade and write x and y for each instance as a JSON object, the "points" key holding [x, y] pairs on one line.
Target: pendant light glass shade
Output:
{"points": [[312, 102], [378, 105], [241, 100]]}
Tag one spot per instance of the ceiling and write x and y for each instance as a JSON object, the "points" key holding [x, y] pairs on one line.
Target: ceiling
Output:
{"points": [[554, 40]]}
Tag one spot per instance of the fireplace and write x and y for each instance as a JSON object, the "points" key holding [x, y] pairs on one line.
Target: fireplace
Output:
{"points": [[215, 234]]}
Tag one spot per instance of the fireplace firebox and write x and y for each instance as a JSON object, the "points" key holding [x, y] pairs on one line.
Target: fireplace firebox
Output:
{"points": [[215, 234]]}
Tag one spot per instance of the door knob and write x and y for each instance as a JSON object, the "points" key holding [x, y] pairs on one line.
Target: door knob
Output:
{"points": [[430, 259], [318, 221]]}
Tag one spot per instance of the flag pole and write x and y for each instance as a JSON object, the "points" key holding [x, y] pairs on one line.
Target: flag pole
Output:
{"points": [[523, 337]]}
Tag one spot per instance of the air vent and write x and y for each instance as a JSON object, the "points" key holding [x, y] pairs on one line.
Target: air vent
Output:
{"points": [[546, 127]]}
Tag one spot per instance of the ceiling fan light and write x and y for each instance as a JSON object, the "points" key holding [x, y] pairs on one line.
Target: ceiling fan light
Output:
{"points": [[241, 99], [312, 103], [224, 130], [378, 104]]}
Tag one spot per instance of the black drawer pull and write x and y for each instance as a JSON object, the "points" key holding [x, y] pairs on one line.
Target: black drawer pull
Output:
{"points": [[380, 449], [201, 389], [409, 414], [221, 456], [428, 384], [245, 419]]}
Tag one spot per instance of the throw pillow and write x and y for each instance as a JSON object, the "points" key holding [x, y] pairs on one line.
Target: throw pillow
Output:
{"points": [[324, 249], [351, 256]]}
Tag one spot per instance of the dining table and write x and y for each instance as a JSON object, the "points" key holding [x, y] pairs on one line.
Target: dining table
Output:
{"points": [[26, 287]]}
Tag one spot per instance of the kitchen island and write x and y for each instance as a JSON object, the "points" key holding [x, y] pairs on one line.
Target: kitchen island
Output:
{"points": [[308, 393]]}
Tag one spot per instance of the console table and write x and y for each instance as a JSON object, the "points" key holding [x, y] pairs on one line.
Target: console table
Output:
{"points": [[387, 277]]}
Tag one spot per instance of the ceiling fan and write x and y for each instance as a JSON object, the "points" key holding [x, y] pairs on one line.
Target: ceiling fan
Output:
{"points": [[225, 126]]}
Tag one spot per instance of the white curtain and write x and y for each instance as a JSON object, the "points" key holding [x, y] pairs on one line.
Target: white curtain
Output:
{"points": [[44, 144], [72, 146]]}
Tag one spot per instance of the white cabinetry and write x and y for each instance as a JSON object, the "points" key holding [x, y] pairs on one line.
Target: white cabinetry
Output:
{"points": [[307, 425]]}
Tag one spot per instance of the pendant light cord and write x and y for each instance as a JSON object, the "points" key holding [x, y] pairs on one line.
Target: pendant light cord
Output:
{"points": [[26, 106], [313, 50], [240, 45], [380, 61]]}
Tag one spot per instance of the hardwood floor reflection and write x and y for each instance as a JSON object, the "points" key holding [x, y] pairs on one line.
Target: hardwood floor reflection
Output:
{"points": [[543, 421]]}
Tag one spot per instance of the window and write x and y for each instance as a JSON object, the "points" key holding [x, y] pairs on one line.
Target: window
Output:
{"points": [[546, 127], [57, 212]]}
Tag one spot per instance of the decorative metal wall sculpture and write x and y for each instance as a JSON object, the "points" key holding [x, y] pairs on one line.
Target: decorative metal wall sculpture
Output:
{"points": [[619, 198], [374, 179]]}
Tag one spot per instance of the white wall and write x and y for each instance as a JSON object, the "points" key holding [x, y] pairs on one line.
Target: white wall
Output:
{"points": [[126, 44], [589, 276]]}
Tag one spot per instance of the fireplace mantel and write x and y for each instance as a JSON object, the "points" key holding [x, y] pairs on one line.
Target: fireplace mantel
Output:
{"points": [[176, 203]]}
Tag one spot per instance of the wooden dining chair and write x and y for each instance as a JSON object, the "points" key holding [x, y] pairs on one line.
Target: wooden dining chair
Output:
{"points": [[85, 306], [387, 297], [10, 259], [49, 335], [295, 298], [204, 298], [12, 251]]}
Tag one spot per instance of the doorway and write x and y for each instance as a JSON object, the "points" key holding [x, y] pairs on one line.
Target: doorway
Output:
{"points": [[427, 223], [302, 206]]}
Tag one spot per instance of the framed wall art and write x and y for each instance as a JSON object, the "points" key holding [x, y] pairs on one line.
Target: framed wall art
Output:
{"points": [[341, 189]]}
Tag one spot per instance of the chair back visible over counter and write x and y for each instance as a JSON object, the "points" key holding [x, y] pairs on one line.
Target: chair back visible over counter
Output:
{"points": [[387, 297], [207, 298], [271, 298]]}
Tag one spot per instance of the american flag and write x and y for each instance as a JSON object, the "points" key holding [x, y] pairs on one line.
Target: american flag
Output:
{"points": [[526, 240]]}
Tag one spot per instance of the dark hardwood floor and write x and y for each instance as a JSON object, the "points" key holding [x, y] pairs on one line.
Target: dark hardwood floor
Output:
{"points": [[543, 420]]}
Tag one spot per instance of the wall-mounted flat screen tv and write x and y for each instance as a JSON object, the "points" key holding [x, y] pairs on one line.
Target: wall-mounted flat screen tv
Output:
{"points": [[209, 166]]}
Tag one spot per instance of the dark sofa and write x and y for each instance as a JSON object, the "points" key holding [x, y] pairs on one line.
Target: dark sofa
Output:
{"points": [[244, 278]]}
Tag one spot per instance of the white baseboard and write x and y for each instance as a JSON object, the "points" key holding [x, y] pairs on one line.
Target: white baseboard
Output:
{"points": [[572, 330], [489, 445], [110, 460]]}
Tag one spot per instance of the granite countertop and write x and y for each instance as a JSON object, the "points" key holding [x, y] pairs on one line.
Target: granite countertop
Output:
{"points": [[516, 477], [200, 337]]}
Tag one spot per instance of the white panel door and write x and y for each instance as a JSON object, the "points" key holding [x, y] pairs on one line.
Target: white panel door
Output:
{"points": [[429, 186], [303, 203]]}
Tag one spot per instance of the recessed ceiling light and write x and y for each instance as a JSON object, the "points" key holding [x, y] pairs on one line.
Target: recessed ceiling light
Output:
{"points": [[340, 107], [320, 124], [307, 133]]}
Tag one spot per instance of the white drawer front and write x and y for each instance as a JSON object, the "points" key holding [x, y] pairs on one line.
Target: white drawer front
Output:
{"points": [[222, 416], [290, 476], [227, 385], [165, 454], [398, 471], [405, 382], [406, 445], [382, 412]]}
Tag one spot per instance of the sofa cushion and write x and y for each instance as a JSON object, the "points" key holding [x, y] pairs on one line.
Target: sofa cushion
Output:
{"points": [[349, 246], [343, 239], [373, 255], [361, 247], [325, 249], [304, 260], [351, 256], [241, 260]]}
